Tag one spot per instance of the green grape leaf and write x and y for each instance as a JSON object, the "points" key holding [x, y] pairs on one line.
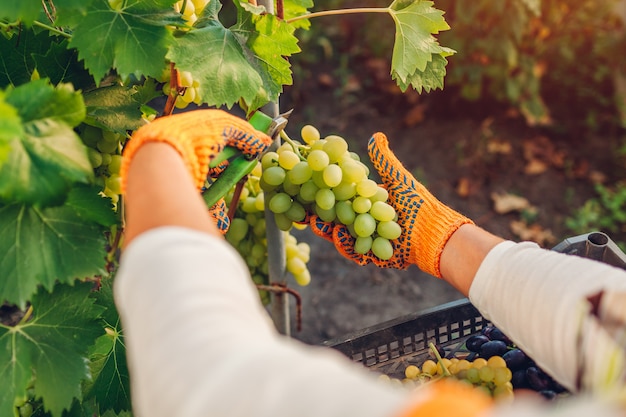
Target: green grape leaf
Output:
{"points": [[90, 206], [51, 347], [10, 127], [429, 79], [114, 108], [43, 246], [16, 61], [416, 21], [110, 385], [216, 59], [49, 156], [295, 8], [70, 12], [133, 40], [271, 41], [60, 65], [23, 10]]}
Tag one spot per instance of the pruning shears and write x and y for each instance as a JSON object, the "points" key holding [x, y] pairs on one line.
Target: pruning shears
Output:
{"points": [[240, 165]]}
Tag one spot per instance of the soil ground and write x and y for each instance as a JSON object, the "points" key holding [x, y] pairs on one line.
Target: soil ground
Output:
{"points": [[467, 155]]}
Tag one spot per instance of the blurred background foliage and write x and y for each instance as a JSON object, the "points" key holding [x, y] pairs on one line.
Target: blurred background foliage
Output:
{"points": [[556, 62]]}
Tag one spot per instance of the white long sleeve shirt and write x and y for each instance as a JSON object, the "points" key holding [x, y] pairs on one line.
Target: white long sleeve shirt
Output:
{"points": [[199, 342]]}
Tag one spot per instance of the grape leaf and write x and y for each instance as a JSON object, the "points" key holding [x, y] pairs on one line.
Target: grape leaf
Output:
{"points": [[10, 127], [133, 40], [429, 79], [42, 246], [415, 21], [111, 383], [60, 65], [114, 108], [294, 8], [48, 157], [271, 41], [16, 62], [216, 59], [90, 206], [51, 347], [22, 10], [69, 12]]}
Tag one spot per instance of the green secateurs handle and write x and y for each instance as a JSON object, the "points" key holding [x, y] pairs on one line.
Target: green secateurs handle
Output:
{"points": [[238, 164]]}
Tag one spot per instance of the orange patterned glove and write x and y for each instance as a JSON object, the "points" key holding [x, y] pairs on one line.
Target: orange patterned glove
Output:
{"points": [[199, 136], [426, 223]]}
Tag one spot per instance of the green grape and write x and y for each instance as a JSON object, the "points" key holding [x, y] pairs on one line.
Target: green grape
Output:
{"points": [[248, 204], [303, 279], [296, 212], [502, 375], [115, 164], [318, 159], [363, 244], [309, 134], [366, 188], [361, 205], [114, 183], [381, 195], [345, 191], [382, 248], [364, 224], [274, 175], [325, 198], [486, 373], [308, 191], [290, 188], [318, 145], [259, 202], [288, 159], [389, 230], [382, 212], [265, 186], [345, 213], [352, 171], [106, 159], [280, 203], [110, 136], [304, 251], [332, 175], [326, 215], [258, 251], [269, 159], [335, 147], [472, 375], [296, 266], [259, 228], [107, 147], [251, 218], [91, 136], [237, 231], [282, 221], [300, 173], [95, 157], [26, 410]]}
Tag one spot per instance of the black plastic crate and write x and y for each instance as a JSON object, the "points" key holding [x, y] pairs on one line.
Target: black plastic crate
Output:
{"points": [[391, 346]]}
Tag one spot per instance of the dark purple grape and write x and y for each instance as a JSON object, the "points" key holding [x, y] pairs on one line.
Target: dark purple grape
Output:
{"points": [[496, 334], [493, 348], [515, 359], [548, 394], [486, 331], [473, 343], [537, 379], [519, 380]]}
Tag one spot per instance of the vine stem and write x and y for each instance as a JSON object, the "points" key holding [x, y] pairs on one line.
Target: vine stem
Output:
{"points": [[339, 12], [52, 29]]}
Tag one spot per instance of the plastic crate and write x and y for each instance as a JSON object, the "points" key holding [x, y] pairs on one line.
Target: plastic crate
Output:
{"points": [[391, 346]]}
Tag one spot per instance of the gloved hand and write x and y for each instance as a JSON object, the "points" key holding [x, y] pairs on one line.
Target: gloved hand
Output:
{"points": [[199, 136], [426, 223]]}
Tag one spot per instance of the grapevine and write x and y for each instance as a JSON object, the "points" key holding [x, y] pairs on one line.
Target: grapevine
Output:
{"points": [[76, 79]]}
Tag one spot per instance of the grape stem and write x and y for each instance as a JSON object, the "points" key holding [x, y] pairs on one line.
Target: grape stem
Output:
{"points": [[433, 349], [294, 145], [339, 12]]}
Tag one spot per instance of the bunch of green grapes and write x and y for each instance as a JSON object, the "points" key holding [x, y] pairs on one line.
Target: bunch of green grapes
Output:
{"points": [[104, 151], [190, 9], [191, 94], [247, 233], [321, 176], [489, 375]]}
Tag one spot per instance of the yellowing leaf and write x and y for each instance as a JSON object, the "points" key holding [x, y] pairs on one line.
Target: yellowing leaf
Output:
{"points": [[506, 203]]}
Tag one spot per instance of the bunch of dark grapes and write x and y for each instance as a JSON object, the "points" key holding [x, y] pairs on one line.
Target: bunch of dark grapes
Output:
{"points": [[526, 374]]}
